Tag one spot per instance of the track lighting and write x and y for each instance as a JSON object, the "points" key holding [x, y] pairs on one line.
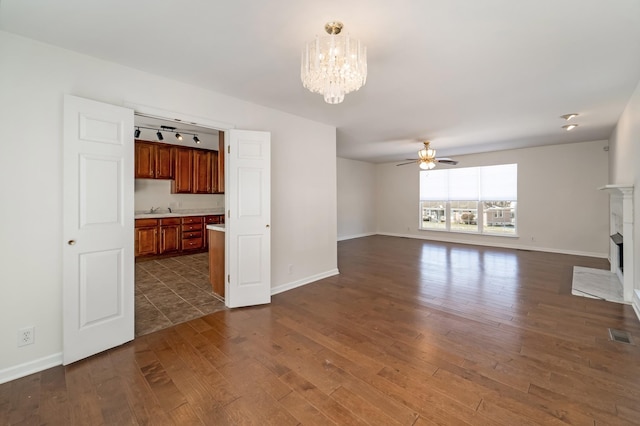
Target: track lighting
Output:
{"points": [[178, 133]]}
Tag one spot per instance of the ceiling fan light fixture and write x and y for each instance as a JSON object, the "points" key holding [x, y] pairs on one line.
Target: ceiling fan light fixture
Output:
{"points": [[569, 116], [334, 65], [427, 165], [427, 153], [569, 127]]}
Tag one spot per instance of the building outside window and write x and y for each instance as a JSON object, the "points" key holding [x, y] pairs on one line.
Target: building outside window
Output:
{"points": [[478, 200]]}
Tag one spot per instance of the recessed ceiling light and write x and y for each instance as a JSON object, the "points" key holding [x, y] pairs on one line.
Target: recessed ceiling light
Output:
{"points": [[569, 116], [569, 127]]}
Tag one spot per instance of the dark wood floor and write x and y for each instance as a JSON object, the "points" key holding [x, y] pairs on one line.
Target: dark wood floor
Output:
{"points": [[411, 332]]}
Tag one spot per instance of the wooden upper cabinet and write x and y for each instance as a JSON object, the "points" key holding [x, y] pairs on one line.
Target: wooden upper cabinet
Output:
{"points": [[153, 160], [202, 172], [144, 160], [183, 173], [164, 161]]}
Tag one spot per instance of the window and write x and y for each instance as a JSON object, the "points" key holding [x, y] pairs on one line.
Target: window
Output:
{"points": [[474, 199]]}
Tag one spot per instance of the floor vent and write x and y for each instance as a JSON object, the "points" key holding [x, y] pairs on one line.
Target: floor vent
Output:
{"points": [[619, 336]]}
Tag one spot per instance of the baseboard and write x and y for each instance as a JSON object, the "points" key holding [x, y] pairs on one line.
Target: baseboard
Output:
{"points": [[351, 237], [636, 303], [299, 283], [31, 367], [499, 245]]}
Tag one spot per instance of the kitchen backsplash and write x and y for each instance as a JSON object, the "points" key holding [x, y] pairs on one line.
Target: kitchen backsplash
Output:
{"points": [[157, 193]]}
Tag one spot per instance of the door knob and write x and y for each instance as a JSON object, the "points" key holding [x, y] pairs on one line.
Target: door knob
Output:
{"points": [[71, 242], [267, 226]]}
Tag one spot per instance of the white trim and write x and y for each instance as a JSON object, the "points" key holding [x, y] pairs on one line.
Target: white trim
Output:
{"points": [[164, 114], [636, 302], [350, 237], [508, 246], [31, 367], [299, 283]]}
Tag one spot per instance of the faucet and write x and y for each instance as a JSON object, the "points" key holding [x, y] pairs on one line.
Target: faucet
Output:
{"points": [[169, 208], [153, 210]]}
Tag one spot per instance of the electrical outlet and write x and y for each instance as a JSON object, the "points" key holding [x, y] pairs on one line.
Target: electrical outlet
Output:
{"points": [[26, 336]]}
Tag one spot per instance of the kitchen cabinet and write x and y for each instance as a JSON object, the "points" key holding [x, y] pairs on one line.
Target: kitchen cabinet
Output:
{"points": [[146, 237], [183, 174], [216, 261], [173, 235], [170, 235], [192, 230], [214, 219], [153, 160], [203, 172]]}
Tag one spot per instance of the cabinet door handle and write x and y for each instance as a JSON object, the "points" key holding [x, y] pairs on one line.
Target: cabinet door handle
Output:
{"points": [[71, 242]]}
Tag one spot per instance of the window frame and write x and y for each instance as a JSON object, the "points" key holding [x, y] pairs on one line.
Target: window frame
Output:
{"points": [[481, 211]]}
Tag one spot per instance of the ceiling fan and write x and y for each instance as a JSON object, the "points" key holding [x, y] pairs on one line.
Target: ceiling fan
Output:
{"points": [[427, 158]]}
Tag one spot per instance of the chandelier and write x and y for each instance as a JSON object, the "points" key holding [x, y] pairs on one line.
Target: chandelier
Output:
{"points": [[334, 65], [427, 157]]}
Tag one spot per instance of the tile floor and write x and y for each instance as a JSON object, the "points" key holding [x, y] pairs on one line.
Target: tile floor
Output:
{"points": [[173, 290]]}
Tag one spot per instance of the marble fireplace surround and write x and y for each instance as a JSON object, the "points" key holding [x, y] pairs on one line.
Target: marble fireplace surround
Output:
{"points": [[621, 221]]}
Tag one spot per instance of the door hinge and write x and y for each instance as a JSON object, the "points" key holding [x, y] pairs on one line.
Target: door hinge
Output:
{"points": [[228, 214], [229, 278], [228, 149]]}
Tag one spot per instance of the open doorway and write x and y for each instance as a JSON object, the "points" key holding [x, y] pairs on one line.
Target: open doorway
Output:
{"points": [[171, 271]]}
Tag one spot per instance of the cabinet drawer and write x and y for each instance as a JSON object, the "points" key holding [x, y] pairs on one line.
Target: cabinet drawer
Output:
{"points": [[214, 219], [191, 234], [192, 227], [170, 221], [192, 219], [144, 223], [192, 244]]}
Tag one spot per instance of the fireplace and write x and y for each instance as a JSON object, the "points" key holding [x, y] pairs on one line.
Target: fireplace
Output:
{"points": [[618, 240], [621, 224]]}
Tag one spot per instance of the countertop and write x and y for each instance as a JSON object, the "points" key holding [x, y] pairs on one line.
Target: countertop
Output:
{"points": [[216, 227], [178, 213]]}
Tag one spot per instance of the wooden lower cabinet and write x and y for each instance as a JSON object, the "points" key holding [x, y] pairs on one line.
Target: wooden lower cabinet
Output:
{"points": [[173, 235], [146, 237], [169, 235], [192, 230], [216, 261]]}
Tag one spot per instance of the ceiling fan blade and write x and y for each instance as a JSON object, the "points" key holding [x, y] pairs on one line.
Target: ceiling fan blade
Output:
{"points": [[447, 161], [409, 162]]}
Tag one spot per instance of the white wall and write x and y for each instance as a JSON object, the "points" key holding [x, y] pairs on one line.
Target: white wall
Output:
{"points": [[356, 198], [33, 79], [624, 157], [559, 206]]}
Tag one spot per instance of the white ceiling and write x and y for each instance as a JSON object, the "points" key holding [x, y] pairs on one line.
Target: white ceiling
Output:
{"points": [[472, 76]]}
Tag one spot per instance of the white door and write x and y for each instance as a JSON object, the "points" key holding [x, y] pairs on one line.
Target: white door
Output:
{"points": [[98, 259], [248, 236]]}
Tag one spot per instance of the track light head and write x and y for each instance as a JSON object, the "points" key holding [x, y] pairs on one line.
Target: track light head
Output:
{"points": [[159, 135], [196, 139], [137, 132], [178, 136]]}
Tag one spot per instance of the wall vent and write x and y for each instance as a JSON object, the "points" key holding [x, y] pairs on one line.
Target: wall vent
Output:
{"points": [[619, 336]]}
